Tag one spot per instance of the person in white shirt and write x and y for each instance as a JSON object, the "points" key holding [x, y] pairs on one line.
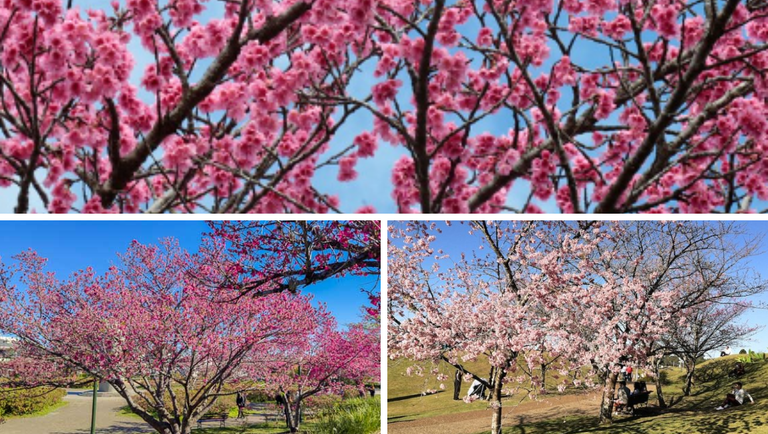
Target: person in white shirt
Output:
{"points": [[736, 397]]}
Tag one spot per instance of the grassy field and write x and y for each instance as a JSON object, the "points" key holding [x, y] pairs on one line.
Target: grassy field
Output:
{"points": [[406, 402], [686, 415]]}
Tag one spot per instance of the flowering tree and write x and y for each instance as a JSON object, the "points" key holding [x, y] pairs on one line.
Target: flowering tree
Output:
{"points": [[330, 361], [494, 306], [652, 277], [709, 327], [606, 106], [277, 256], [168, 344], [594, 294]]}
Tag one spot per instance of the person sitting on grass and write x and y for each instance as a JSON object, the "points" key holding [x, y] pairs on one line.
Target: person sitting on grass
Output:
{"points": [[737, 371], [622, 396], [736, 397]]}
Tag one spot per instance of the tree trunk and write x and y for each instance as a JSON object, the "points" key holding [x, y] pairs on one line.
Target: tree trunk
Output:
{"points": [[495, 400], [606, 407], [292, 413], [543, 377], [287, 414], [690, 369], [457, 385], [657, 381], [296, 417]]}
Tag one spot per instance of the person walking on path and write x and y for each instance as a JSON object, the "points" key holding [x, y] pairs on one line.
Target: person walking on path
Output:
{"points": [[240, 405]]}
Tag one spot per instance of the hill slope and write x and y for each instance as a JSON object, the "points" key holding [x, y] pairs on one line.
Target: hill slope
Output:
{"points": [[411, 413]]}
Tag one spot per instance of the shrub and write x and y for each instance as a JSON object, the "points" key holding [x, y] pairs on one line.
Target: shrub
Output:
{"points": [[27, 401], [223, 404], [351, 416], [260, 395], [664, 378]]}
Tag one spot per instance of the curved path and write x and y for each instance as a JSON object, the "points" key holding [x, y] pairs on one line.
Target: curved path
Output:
{"points": [[473, 422], [75, 418]]}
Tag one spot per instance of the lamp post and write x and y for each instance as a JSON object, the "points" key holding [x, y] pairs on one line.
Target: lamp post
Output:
{"points": [[93, 406]]}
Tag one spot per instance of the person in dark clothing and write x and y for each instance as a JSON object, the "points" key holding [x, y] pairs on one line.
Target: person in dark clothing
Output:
{"points": [[457, 378], [240, 405], [737, 371], [640, 388]]}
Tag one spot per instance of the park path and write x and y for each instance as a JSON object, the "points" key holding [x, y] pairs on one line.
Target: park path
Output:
{"points": [[473, 422], [75, 418]]}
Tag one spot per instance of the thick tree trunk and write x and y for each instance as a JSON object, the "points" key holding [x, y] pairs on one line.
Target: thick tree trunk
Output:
{"points": [[543, 376], [657, 381], [495, 400], [606, 407], [457, 385], [690, 370]]}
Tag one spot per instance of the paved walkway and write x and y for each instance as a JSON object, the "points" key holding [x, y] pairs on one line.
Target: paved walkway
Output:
{"points": [[75, 418]]}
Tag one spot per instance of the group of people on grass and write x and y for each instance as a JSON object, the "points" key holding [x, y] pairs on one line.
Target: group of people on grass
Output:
{"points": [[624, 399]]}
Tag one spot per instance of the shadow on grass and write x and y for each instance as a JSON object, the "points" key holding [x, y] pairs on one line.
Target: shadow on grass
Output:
{"points": [[416, 395], [742, 420]]}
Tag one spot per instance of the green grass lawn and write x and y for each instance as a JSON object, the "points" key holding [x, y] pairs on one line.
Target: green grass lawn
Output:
{"points": [[686, 415], [406, 402]]}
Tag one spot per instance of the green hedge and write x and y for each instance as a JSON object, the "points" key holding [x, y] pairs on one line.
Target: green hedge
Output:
{"points": [[351, 416], [26, 401]]}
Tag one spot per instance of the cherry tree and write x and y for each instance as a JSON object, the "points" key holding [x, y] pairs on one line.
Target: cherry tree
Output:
{"points": [[582, 294], [330, 361], [247, 106], [167, 343], [709, 327], [276, 256], [495, 306]]}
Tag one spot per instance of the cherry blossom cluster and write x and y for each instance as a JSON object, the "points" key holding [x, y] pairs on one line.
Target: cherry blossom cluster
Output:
{"points": [[248, 106], [274, 256]]}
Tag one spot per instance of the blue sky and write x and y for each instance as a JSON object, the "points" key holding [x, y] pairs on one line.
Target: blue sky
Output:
{"points": [[455, 239], [374, 185], [74, 245]]}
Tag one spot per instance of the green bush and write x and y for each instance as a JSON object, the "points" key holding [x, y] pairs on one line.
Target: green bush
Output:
{"points": [[351, 416], [223, 404], [27, 401], [664, 378], [260, 395]]}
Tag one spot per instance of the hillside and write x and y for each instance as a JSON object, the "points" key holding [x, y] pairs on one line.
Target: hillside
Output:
{"points": [[576, 412]]}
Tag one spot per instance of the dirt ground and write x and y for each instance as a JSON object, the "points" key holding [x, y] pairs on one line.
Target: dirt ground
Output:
{"points": [[473, 422]]}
